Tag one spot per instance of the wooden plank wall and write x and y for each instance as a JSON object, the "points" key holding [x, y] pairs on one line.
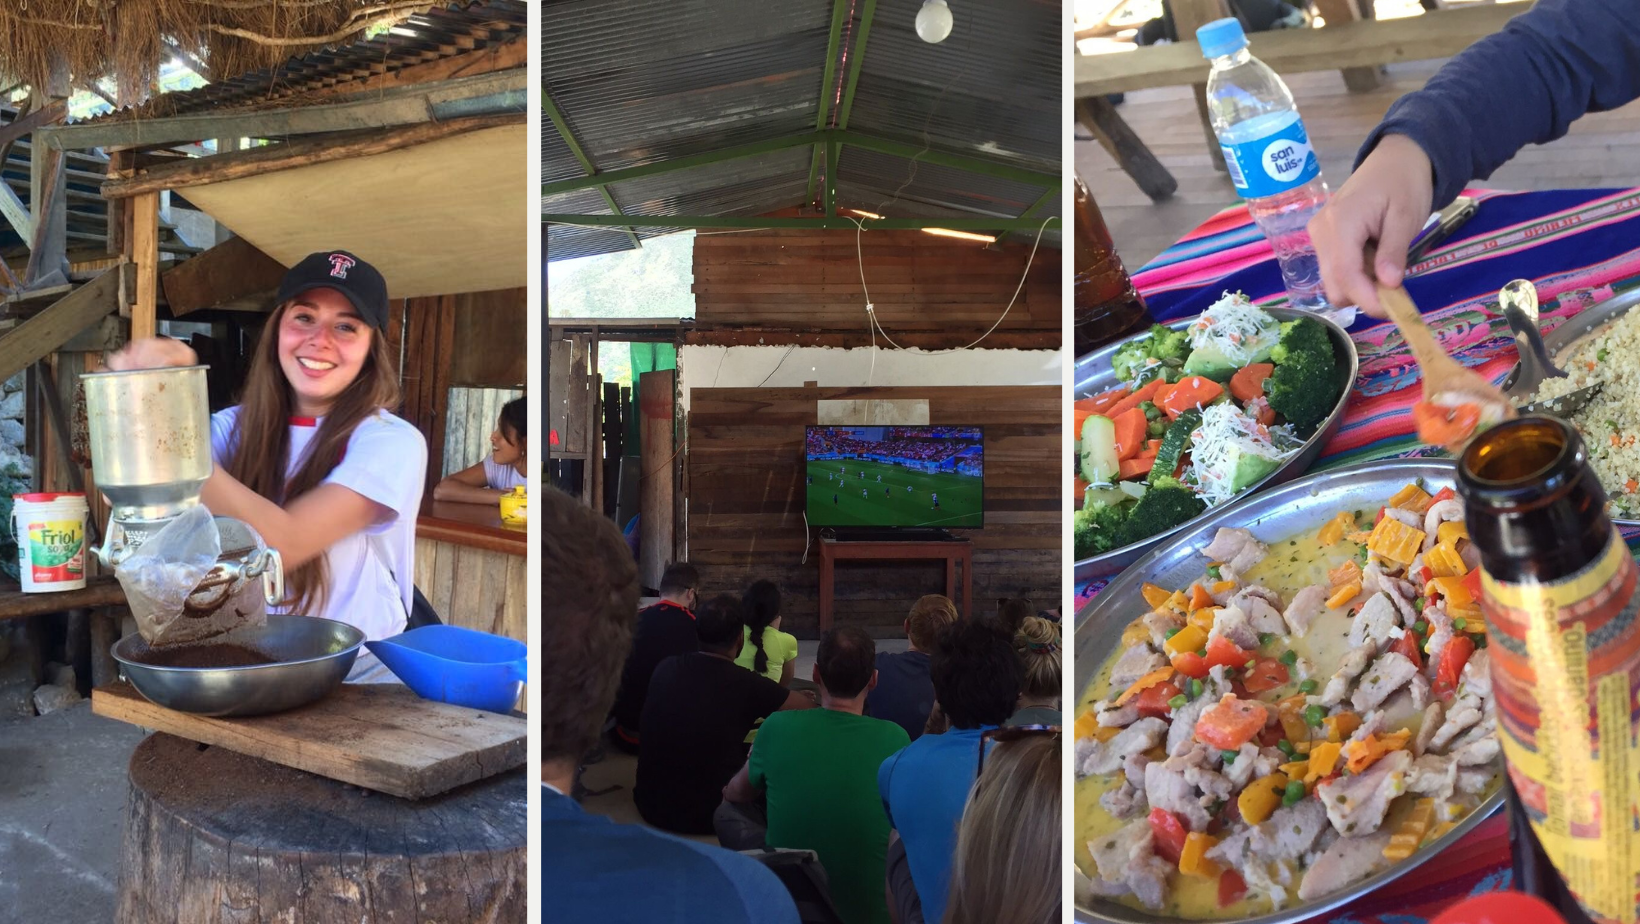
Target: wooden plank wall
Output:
{"points": [[470, 418], [746, 501], [474, 588], [810, 280]]}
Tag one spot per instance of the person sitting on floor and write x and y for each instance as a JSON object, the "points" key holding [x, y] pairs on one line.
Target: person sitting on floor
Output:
{"points": [[695, 720], [1012, 613], [904, 695], [816, 773], [1008, 845], [591, 868], [1037, 644], [976, 681], [665, 629], [767, 650]]}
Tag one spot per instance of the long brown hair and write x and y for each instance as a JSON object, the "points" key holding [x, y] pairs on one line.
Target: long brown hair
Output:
{"points": [[258, 453], [1006, 866]]}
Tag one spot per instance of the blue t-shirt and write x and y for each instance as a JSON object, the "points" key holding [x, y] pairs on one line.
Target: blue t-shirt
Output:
{"points": [[593, 869], [904, 693], [924, 789]]}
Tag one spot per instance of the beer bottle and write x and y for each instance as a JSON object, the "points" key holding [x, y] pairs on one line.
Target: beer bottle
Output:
{"points": [[1107, 305], [1558, 594]]}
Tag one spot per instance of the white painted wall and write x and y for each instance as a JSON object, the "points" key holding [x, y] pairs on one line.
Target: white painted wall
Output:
{"points": [[833, 367]]}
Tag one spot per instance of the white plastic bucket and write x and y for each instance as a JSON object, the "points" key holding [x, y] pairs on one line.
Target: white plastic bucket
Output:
{"points": [[50, 530]]}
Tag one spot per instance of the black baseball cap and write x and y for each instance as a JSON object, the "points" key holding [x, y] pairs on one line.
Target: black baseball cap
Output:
{"points": [[347, 274]]}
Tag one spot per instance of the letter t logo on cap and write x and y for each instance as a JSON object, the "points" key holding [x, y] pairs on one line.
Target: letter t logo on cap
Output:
{"points": [[339, 263]]}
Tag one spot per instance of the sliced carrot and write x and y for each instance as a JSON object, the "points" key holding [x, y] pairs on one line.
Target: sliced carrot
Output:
{"points": [[1133, 400], [1130, 433], [1631, 485], [1100, 403], [1231, 723], [1439, 425], [1138, 465], [1260, 410], [1199, 597], [1192, 392], [1081, 491], [1160, 395], [1248, 382]]}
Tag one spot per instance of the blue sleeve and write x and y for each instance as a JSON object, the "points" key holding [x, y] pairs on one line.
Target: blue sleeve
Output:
{"points": [[885, 782], [760, 891], [1524, 85]]}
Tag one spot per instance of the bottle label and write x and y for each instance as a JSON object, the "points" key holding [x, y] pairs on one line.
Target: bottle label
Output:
{"points": [[1273, 163], [1565, 660]]}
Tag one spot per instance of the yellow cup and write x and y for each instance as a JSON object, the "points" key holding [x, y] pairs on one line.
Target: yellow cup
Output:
{"points": [[515, 507]]}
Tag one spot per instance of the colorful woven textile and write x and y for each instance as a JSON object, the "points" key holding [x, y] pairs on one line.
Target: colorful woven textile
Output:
{"points": [[1578, 246]]}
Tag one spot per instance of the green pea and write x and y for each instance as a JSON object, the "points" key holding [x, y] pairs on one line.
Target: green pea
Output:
{"points": [[1460, 623], [1308, 686], [1251, 663], [1196, 688], [1171, 633], [1286, 747], [1294, 794], [1601, 354], [1314, 715], [1418, 604], [1178, 702], [1229, 756], [1289, 657], [1214, 572], [1266, 638], [1421, 627]]}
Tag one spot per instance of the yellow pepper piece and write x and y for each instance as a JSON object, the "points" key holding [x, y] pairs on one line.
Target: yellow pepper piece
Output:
{"points": [[1203, 618], [1411, 498], [1333, 532], [1450, 532], [1136, 633], [1323, 758], [1086, 724], [1155, 596], [1179, 601], [1410, 833], [1261, 797], [1444, 561], [1441, 830], [1293, 726], [1344, 595], [1222, 587], [1452, 589], [1192, 859], [1105, 733], [1395, 541], [1157, 753], [1190, 638], [1296, 769], [1341, 726], [1146, 682], [1364, 753]]}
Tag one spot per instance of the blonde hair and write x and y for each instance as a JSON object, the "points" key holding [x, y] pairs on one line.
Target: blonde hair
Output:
{"points": [[1038, 646], [1008, 845], [929, 616]]}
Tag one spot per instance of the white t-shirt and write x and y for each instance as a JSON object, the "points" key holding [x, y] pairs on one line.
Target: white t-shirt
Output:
{"points": [[386, 462], [502, 477]]}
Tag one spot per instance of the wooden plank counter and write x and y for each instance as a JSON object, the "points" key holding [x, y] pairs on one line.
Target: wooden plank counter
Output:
{"points": [[471, 568]]}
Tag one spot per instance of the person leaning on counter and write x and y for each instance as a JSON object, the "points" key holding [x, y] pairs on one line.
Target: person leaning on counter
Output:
{"points": [[505, 468], [311, 458], [1523, 85]]}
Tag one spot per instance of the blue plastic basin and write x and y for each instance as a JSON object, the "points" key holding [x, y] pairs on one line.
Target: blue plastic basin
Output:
{"points": [[463, 667]]}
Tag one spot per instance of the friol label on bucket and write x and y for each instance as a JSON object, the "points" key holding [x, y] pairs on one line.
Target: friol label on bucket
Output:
{"points": [[56, 550]]}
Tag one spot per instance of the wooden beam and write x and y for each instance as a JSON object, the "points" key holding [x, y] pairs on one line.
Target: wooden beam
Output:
{"points": [[1338, 13], [16, 213], [1100, 117], [47, 331], [145, 254], [198, 171], [233, 269], [511, 54], [922, 340], [1188, 16], [1439, 34], [102, 590], [48, 200], [52, 111], [376, 109]]}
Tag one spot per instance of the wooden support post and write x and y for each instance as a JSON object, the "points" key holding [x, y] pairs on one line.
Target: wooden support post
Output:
{"points": [[1188, 16], [1337, 13], [145, 254], [595, 429], [657, 393], [1097, 115]]}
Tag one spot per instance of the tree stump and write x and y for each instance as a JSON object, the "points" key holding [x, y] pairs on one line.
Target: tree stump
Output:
{"points": [[214, 837]]}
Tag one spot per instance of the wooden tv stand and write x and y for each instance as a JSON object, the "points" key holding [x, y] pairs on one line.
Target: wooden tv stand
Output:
{"points": [[949, 551]]}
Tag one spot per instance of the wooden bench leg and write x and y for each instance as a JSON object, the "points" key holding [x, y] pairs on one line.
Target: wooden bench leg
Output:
{"points": [[1100, 117], [1188, 16], [1357, 79]]}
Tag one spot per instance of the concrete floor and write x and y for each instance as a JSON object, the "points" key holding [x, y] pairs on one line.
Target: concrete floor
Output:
{"points": [[617, 771], [62, 810]]}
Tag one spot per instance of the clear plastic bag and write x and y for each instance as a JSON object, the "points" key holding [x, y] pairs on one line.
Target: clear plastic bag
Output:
{"points": [[162, 579]]}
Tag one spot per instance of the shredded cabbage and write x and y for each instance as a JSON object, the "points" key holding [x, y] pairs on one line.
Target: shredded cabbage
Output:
{"points": [[1237, 327], [1224, 430]]}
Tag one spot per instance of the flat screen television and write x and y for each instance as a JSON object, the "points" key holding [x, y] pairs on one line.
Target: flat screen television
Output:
{"points": [[895, 476]]}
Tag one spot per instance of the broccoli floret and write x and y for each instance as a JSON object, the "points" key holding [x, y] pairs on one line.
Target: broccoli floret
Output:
{"points": [[1167, 343], [1094, 527], [1130, 358], [1143, 359], [1167, 504], [1300, 337], [1303, 389]]}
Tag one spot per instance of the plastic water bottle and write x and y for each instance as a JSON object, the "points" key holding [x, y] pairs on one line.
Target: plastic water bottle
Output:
{"points": [[1268, 154]]}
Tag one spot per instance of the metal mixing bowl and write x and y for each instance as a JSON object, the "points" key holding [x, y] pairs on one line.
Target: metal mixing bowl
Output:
{"points": [[312, 655]]}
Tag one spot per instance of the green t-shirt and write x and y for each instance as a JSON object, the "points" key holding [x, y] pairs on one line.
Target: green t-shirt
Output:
{"points": [[818, 769], [779, 646]]}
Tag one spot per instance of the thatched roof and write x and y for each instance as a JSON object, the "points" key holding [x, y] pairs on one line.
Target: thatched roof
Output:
{"points": [[78, 42]]}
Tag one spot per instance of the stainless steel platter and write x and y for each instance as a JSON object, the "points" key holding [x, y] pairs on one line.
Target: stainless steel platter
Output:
{"points": [[1278, 513], [1560, 340], [1094, 375], [313, 656]]}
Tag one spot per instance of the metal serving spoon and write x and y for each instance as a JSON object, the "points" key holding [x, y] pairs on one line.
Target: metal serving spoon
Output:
{"points": [[1519, 301]]}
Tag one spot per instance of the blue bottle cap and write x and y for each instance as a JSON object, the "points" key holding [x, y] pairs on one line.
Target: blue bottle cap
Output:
{"points": [[1221, 37]]}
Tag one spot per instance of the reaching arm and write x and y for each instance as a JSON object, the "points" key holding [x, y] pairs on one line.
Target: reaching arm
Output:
{"points": [[739, 788], [787, 672], [305, 528], [468, 486]]}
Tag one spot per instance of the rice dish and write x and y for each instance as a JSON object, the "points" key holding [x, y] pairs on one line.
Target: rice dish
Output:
{"points": [[1610, 423]]}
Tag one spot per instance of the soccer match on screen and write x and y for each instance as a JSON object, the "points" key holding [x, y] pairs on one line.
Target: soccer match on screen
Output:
{"points": [[896, 476]]}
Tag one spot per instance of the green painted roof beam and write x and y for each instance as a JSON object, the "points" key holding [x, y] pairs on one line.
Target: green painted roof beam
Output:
{"points": [[966, 162], [814, 172], [752, 221], [866, 12], [832, 150], [557, 117], [1052, 195], [838, 8]]}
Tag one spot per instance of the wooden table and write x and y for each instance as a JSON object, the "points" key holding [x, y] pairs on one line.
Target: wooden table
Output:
{"points": [[470, 566], [949, 551]]}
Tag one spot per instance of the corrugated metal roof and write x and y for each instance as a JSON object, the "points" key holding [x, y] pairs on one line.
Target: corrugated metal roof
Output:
{"points": [[456, 28], [646, 81]]}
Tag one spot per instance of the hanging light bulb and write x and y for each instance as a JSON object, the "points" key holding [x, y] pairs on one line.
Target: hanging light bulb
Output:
{"points": [[933, 21]]}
